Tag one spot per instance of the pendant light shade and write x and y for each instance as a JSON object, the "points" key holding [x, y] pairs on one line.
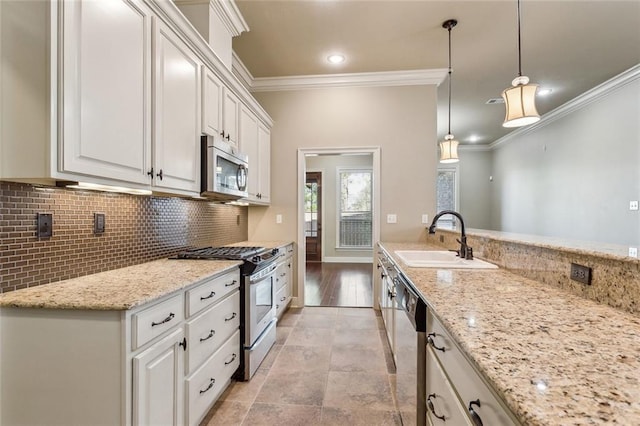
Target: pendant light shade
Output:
{"points": [[449, 146], [520, 99], [449, 150]]}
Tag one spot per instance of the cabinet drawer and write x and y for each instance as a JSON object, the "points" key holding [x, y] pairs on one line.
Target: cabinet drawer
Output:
{"points": [[282, 275], [205, 385], [288, 251], [207, 331], [156, 319], [464, 378], [211, 291], [283, 296], [443, 406]]}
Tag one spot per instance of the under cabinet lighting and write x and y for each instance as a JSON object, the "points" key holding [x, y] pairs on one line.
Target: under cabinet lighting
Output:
{"points": [[108, 188]]}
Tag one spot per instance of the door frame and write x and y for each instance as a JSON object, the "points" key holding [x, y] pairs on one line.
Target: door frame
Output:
{"points": [[321, 216], [375, 167]]}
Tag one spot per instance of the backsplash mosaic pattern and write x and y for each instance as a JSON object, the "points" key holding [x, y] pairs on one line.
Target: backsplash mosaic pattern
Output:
{"points": [[138, 229]]}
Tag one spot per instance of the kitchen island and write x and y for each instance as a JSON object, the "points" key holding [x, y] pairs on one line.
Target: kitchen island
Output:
{"points": [[552, 357]]}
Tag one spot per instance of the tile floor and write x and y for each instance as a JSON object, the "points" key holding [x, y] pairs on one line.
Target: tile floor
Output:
{"points": [[330, 366]]}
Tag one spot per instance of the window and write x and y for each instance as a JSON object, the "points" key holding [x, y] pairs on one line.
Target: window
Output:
{"points": [[311, 209], [355, 216], [447, 194]]}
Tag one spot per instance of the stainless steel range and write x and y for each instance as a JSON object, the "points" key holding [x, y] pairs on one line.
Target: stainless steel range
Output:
{"points": [[257, 295]]}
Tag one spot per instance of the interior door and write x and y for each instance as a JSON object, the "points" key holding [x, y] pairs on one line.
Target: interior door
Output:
{"points": [[313, 216]]}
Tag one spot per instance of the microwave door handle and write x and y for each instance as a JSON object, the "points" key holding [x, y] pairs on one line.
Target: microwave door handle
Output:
{"points": [[241, 177]]}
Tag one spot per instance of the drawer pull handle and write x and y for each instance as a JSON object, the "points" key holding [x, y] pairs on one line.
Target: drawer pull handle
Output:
{"points": [[233, 358], [231, 317], [283, 298], [231, 283], [211, 333], [208, 387], [430, 341], [284, 274], [477, 421], [213, 293], [432, 408], [167, 319], [183, 343]]}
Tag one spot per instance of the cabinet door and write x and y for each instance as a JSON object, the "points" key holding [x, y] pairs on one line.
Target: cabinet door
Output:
{"points": [[158, 385], [264, 155], [249, 146], [212, 95], [177, 126], [106, 89], [230, 114]]}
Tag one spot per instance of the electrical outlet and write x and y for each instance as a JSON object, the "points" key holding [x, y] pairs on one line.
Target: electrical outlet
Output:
{"points": [[425, 219], [581, 273], [633, 205], [98, 223], [44, 227], [278, 218], [392, 218], [633, 251]]}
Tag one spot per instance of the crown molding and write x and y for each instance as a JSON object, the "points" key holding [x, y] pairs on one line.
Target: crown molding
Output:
{"points": [[575, 104], [240, 71], [230, 16], [299, 82], [474, 148]]}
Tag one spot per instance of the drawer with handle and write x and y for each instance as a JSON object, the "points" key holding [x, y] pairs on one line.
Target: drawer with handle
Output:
{"points": [[282, 275], [208, 381], [156, 319], [443, 406], [207, 331], [211, 291], [477, 397], [282, 299]]}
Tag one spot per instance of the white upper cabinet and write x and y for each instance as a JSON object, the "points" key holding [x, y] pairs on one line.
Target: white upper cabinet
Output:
{"points": [[106, 89], [176, 155], [212, 93], [255, 142], [230, 113]]}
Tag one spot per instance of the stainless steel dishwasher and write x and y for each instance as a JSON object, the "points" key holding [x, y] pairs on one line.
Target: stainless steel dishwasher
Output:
{"points": [[411, 345]]}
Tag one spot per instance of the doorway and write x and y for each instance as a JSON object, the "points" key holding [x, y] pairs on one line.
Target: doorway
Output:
{"points": [[313, 216], [334, 269]]}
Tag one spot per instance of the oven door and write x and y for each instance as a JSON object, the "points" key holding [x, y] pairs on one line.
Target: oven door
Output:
{"points": [[259, 303]]}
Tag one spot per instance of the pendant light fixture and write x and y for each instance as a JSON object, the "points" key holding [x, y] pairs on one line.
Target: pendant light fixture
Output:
{"points": [[449, 146], [520, 100]]}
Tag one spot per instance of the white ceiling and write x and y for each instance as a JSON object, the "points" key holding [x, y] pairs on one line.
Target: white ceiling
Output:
{"points": [[569, 46]]}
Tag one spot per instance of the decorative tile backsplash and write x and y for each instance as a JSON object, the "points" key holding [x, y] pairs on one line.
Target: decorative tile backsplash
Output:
{"points": [[138, 229]]}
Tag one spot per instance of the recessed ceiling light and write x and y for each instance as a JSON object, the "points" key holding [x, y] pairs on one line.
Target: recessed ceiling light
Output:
{"points": [[336, 59], [474, 138], [544, 92]]}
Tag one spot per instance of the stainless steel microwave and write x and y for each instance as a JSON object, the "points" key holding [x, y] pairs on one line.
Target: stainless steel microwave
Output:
{"points": [[224, 171]]}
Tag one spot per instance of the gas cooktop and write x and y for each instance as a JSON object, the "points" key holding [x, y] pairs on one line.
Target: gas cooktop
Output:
{"points": [[229, 253]]}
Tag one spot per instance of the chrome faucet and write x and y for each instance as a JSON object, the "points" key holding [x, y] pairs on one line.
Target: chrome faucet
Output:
{"points": [[465, 251]]}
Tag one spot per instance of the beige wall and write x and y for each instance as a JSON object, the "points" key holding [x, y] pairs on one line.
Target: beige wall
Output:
{"points": [[399, 120]]}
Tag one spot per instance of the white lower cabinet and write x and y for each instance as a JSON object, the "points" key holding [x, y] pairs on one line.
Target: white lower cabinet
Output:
{"points": [[284, 280], [476, 398], [157, 382], [443, 407], [150, 365], [206, 384]]}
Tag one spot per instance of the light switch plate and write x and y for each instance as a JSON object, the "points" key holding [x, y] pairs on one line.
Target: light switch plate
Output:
{"points": [[425, 219], [633, 251], [44, 228], [633, 205], [392, 218], [278, 218]]}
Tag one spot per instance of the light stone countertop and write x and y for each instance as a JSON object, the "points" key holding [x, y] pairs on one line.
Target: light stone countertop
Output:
{"points": [[520, 332], [118, 289]]}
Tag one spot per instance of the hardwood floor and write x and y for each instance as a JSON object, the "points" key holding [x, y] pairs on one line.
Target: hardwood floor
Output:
{"points": [[339, 284]]}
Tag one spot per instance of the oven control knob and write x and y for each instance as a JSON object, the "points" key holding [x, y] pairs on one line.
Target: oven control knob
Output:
{"points": [[256, 259], [275, 251]]}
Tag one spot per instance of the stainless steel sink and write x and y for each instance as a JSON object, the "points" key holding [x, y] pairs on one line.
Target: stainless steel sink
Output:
{"points": [[440, 259]]}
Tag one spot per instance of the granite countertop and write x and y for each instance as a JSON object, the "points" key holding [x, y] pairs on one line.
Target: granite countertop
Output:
{"points": [[118, 289], [555, 358]]}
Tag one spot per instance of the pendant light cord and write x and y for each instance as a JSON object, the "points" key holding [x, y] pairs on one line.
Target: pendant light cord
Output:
{"points": [[519, 44], [449, 29]]}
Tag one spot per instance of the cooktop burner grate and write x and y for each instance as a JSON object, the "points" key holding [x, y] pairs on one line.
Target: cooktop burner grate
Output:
{"points": [[230, 253]]}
